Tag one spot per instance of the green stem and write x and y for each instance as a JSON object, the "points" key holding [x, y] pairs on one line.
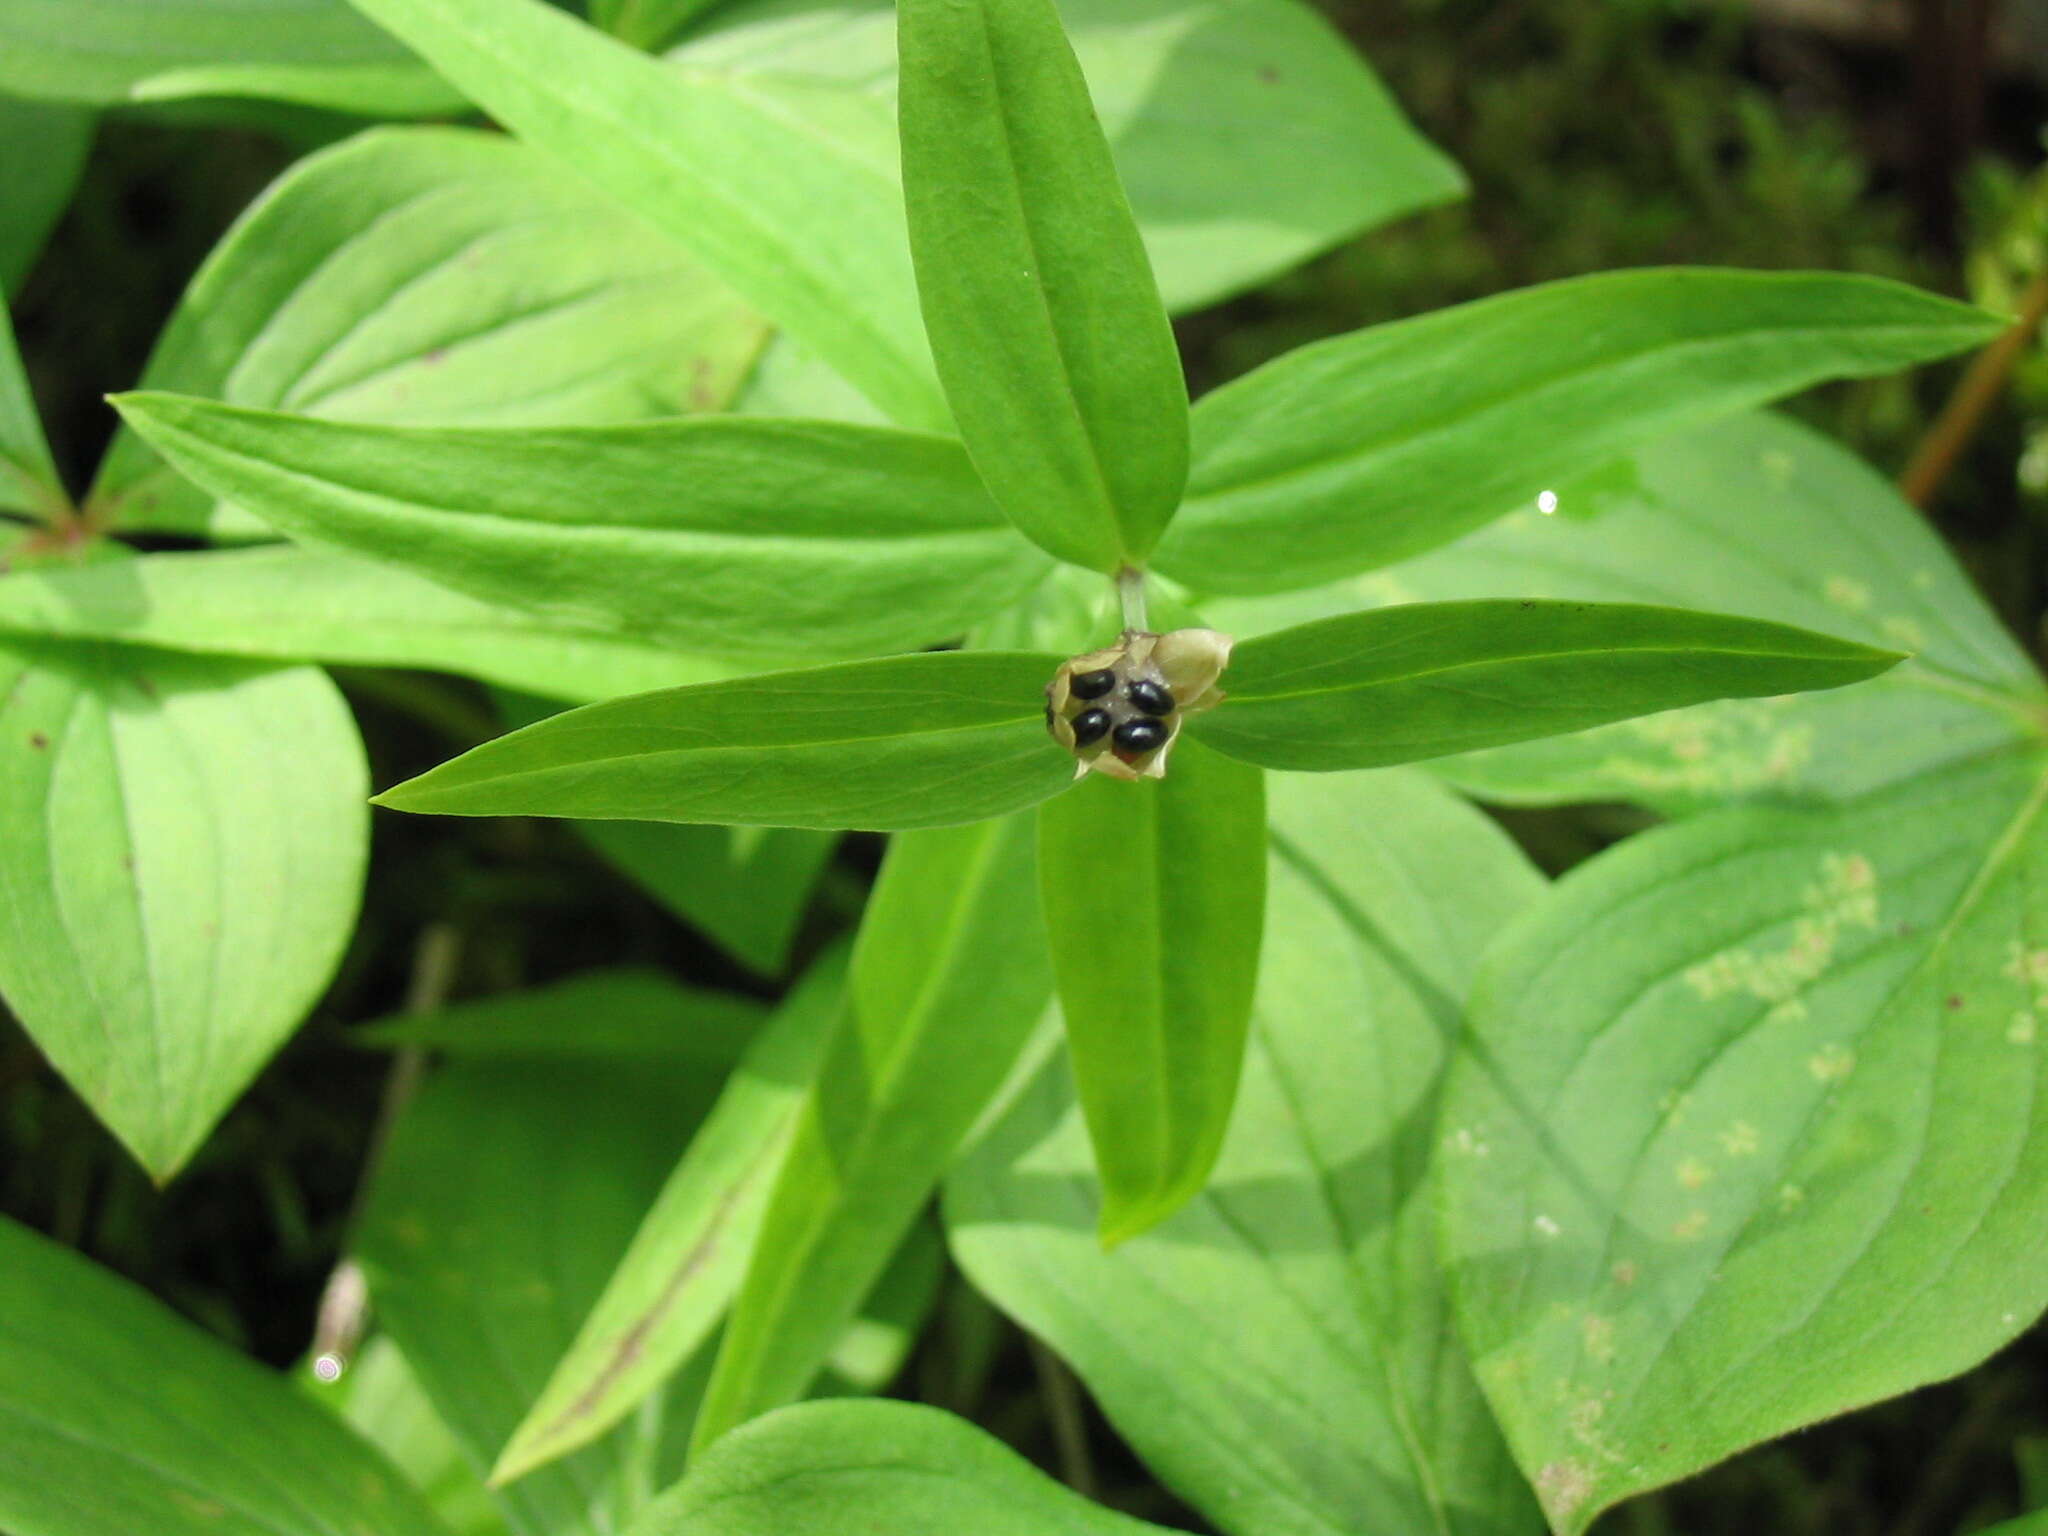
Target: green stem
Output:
{"points": [[1130, 591]]}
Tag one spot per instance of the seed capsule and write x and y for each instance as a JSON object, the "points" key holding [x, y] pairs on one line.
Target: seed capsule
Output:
{"points": [[1090, 726], [1093, 685], [1149, 697], [1134, 738], [1119, 709]]}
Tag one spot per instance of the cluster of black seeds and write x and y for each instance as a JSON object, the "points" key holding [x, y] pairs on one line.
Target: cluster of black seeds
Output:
{"points": [[1133, 718]]}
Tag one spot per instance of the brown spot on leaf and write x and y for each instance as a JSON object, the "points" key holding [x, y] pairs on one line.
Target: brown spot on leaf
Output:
{"points": [[39, 741]]}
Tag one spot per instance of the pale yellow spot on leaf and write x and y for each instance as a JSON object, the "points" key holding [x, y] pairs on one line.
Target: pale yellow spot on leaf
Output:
{"points": [[1599, 1336], [2026, 965], [1847, 592], [1734, 747], [1693, 1174], [1690, 1227], [1831, 1063], [1562, 1486], [1740, 1139], [1844, 896]]}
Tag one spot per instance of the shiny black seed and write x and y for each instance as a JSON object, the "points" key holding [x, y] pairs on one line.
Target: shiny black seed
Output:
{"points": [[1090, 726], [1093, 685], [1137, 737], [1150, 697]]}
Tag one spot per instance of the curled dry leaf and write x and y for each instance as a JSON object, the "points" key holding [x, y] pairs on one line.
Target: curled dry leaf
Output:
{"points": [[1119, 709]]}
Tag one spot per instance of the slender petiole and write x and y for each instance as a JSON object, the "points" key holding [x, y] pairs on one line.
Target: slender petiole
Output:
{"points": [[1130, 590]]}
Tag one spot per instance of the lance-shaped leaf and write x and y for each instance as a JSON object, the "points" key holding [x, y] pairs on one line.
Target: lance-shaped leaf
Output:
{"points": [[675, 1282], [307, 50], [1368, 448], [1278, 1351], [1396, 685], [842, 1469], [433, 276], [185, 843], [807, 232], [744, 537], [907, 741], [949, 979], [871, 1351], [278, 602], [122, 1417], [28, 479], [1758, 516], [1155, 896], [48, 144], [1044, 318]]}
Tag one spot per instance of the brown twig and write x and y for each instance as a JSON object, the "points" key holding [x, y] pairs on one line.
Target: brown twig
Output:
{"points": [[1063, 1406], [345, 1302], [1982, 383]]}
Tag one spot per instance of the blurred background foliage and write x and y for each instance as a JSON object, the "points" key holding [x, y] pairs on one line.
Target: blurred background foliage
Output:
{"points": [[1902, 139]]}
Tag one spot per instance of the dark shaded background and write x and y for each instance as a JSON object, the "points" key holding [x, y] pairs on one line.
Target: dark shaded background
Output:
{"points": [[1845, 134]]}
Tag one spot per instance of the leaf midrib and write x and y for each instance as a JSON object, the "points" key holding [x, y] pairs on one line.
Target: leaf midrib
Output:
{"points": [[197, 443], [1515, 657], [1069, 395]]}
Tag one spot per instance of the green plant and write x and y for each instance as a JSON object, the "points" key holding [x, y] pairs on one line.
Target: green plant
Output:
{"points": [[1728, 1007]]}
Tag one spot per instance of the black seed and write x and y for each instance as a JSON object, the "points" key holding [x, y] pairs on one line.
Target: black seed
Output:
{"points": [[1090, 726], [1137, 737], [1150, 697], [1093, 685]]}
